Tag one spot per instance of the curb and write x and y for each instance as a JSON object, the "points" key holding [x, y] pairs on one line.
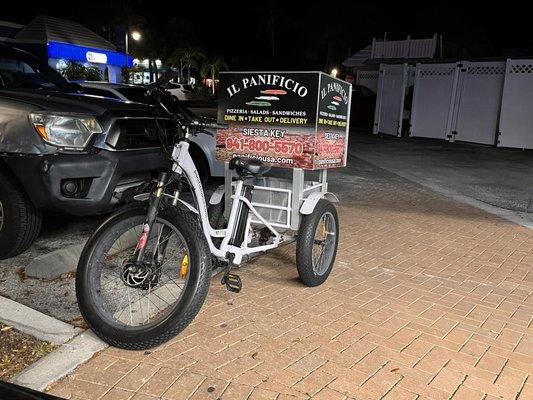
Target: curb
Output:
{"points": [[76, 346], [60, 362], [35, 323], [56, 263]]}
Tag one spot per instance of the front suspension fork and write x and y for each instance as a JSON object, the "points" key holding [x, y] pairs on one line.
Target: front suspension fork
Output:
{"points": [[153, 209]]}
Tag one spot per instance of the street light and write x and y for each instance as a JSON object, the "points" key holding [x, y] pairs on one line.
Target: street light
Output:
{"points": [[135, 35], [334, 72]]}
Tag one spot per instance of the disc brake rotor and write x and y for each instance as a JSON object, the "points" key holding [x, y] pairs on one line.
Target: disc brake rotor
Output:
{"points": [[143, 277]]}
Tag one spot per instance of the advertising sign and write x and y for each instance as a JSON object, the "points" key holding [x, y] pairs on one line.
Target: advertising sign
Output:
{"points": [[286, 119]]}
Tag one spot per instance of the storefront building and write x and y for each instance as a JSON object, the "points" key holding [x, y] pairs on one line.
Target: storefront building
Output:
{"points": [[59, 41]]}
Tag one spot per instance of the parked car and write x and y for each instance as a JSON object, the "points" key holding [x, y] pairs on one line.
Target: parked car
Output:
{"points": [[203, 146], [65, 151], [363, 106], [182, 91]]}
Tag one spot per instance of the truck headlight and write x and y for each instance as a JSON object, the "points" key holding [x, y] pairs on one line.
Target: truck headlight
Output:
{"points": [[65, 130]]}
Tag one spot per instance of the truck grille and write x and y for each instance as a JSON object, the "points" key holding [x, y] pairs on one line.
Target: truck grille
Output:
{"points": [[138, 133]]}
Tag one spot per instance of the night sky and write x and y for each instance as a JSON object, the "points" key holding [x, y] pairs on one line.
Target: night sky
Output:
{"points": [[297, 35]]}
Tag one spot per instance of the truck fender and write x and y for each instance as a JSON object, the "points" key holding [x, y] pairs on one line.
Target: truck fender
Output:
{"points": [[216, 197], [310, 201]]}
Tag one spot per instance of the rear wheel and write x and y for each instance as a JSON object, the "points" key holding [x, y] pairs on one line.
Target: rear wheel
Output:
{"points": [[20, 221], [215, 213], [316, 245], [137, 307]]}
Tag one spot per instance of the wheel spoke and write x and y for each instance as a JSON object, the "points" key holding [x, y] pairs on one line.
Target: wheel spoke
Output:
{"points": [[323, 244], [123, 287]]}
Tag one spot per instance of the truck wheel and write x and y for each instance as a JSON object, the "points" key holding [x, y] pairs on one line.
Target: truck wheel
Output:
{"points": [[316, 244], [20, 221]]}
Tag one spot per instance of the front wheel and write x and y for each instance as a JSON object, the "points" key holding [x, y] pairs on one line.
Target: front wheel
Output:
{"points": [[316, 244], [141, 306], [20, 221]]}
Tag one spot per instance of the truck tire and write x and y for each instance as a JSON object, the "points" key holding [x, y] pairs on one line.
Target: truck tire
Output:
{"points": [[20, 221]]}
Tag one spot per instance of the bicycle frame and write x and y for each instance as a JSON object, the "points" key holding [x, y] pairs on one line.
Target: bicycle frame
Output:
{"points": [[183, 164]]}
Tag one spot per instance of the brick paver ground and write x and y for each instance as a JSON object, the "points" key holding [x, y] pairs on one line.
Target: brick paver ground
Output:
{"points": [[429, 299]]}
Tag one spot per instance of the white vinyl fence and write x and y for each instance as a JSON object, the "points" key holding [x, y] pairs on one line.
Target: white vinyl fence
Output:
{"points": [[485, 102], [516, 115], [433, 96], [478, 101], [390, 99]]}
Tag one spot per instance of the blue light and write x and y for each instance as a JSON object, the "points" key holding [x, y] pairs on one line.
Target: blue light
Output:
{"points": [[79, 53]]}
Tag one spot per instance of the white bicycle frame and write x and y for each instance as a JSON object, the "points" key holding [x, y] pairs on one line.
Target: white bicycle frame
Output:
{"points": [[183, 164]]}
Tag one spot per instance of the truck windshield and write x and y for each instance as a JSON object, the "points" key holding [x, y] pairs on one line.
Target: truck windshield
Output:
{"points": [[26, 73]]}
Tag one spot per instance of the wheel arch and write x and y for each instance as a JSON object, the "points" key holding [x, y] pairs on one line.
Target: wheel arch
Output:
{"points": [[8, 172], [217, 195], [311, 201], [200, 148]]}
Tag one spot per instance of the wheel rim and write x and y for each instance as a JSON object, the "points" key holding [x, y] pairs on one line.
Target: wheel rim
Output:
{"points": [[1, 215], [137, 297], [324, 243]]}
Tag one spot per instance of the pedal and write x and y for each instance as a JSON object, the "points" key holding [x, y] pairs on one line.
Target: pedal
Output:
{"points": [[232, 281]]}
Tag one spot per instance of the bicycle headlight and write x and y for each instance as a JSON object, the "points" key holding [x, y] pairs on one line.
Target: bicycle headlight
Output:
{"points": [[65, 130]]}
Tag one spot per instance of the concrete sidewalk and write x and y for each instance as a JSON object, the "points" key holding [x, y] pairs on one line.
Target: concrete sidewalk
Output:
{"points": [[429, 299], [495, 179]]}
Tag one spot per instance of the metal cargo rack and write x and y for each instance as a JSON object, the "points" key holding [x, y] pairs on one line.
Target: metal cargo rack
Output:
{"points": [[278, 200]]}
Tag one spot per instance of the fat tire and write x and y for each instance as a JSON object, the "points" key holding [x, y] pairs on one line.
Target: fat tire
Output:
{"points": [[178, 318], [305, 241], [22, 220]]}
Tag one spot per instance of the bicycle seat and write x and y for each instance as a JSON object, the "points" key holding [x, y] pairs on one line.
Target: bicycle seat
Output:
{"points": [[248, 166]]}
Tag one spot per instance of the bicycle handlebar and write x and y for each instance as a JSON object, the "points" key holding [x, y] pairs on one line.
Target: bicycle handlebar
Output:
{"points": [[157, 92], [200, 123]]}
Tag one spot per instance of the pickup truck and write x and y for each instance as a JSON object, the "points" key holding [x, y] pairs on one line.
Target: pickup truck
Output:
{"points": [[65, 151]]}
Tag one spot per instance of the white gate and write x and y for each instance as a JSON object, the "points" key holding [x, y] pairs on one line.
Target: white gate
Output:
{"points": [[390, 98], [433, 97], [478, 101], [516, 116], [368, 79]]}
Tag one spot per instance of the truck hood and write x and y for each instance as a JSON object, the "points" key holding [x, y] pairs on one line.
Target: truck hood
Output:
{"points": [[72, 102]]}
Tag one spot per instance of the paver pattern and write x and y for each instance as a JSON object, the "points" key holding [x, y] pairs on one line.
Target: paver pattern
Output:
{"points": [[429, 299]]}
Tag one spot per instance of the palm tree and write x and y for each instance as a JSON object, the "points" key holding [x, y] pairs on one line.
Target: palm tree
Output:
{"points": [[212, 67], [189, 58]]}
